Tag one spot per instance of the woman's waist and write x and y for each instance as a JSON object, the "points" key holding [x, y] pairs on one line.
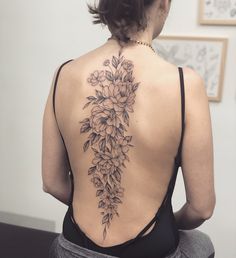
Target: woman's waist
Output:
{"points": [[164, 237]]}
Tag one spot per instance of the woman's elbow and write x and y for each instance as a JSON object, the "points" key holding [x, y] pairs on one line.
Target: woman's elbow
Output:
{"points": [[205, 211], [45, 188], [207, 214]]}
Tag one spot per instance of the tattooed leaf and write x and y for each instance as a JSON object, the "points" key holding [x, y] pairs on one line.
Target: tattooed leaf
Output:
{"points": [[98, 136], [99, 192], [86, 120], [92, 136], [116, 75], [105, 177], [113, 143], [121, 58], [98, 93], [128, 77], [109, 76], [123, 165], [126, 157], [86, 145], [105, 218], [128, 138], [108, 137], [87, 104], [85, 128], [116, 200], [96, 151], [115, 61], [108, 188], [104, 233], [101, 204], [122, 127], [109, 145], [125, 116], [101, 99], [120, 133], [121, 192], [91, 170], [118, 169], [102, 145], [91, 98], [117, 175], [97, 181], [135, 86], [112, 180]]}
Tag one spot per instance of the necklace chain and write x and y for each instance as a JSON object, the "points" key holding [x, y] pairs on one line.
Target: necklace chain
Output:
{"points": [[138, 42], [143, 43]]}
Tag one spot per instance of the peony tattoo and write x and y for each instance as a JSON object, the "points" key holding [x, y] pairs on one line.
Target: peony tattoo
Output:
{"points": [[110, 106]]}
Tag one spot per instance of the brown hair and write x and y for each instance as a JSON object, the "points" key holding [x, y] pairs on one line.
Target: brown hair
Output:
{"points": [[121, 15]]}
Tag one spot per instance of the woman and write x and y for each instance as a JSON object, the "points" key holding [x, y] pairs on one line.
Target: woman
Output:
{"points": [[122, 121]]}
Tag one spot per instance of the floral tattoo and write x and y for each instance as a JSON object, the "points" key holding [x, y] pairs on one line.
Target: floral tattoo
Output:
{"points": [[113, 100]]}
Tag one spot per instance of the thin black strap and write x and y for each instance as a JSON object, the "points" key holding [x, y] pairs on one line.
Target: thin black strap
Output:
{"points": [[154, 219], [156, 216], [54, 95], [72, 187], [55, 85], [54, 110], [182, 90]]}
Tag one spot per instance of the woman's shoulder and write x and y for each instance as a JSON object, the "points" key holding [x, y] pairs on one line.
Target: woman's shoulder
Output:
{"points": [[194, 84]]}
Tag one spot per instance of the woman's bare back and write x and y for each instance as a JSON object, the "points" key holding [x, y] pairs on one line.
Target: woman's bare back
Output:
{"points": [[120, 175]]}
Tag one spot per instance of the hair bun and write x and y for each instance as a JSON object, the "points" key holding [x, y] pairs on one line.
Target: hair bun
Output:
{"points": [[121, 16]]}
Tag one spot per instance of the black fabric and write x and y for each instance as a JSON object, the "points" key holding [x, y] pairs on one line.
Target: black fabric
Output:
{"points": [[163, 239], [182, 91]]}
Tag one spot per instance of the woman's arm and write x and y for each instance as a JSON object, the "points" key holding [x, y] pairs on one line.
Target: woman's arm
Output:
{"points": [[197, 156], [55, 164], [61, 192]]}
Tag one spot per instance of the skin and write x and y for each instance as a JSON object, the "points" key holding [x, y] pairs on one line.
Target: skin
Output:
{"points": [[155, 127]]}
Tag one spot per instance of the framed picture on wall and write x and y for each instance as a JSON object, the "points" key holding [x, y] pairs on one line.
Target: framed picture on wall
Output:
{"points": [[205, 55], [217, 12]]}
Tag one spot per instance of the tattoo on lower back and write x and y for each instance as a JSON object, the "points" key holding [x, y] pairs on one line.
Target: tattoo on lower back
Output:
{"points": [[110, 107]]}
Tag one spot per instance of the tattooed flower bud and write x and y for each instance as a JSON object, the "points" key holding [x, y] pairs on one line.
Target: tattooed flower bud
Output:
{"points": [[106, 62], [97, 182], [127, 65], [96, 77]]}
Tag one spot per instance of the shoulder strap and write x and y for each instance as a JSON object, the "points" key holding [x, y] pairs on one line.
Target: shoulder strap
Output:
{"points": [[55, 85], [182, 91], [54, 110], [54, 94]]}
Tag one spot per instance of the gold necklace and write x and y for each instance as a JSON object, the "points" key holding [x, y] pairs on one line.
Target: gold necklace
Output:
{"points": [[143, 43], [138, 42]]}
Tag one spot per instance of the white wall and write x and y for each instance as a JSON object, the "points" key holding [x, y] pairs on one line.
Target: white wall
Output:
{"points": [[37, 36]]}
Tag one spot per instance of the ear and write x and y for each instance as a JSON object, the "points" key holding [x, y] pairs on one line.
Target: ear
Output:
{"points": [[165, 6]]}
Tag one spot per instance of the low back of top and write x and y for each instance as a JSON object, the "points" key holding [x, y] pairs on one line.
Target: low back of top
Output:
{"points": [[163, 238]]}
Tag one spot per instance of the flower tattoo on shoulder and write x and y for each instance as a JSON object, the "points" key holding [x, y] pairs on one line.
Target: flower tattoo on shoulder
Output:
{"points": [[107, 126]]}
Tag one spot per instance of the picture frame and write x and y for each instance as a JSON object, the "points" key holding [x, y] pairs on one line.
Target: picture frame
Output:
{"points": [[217, 12], [205, 55]]}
